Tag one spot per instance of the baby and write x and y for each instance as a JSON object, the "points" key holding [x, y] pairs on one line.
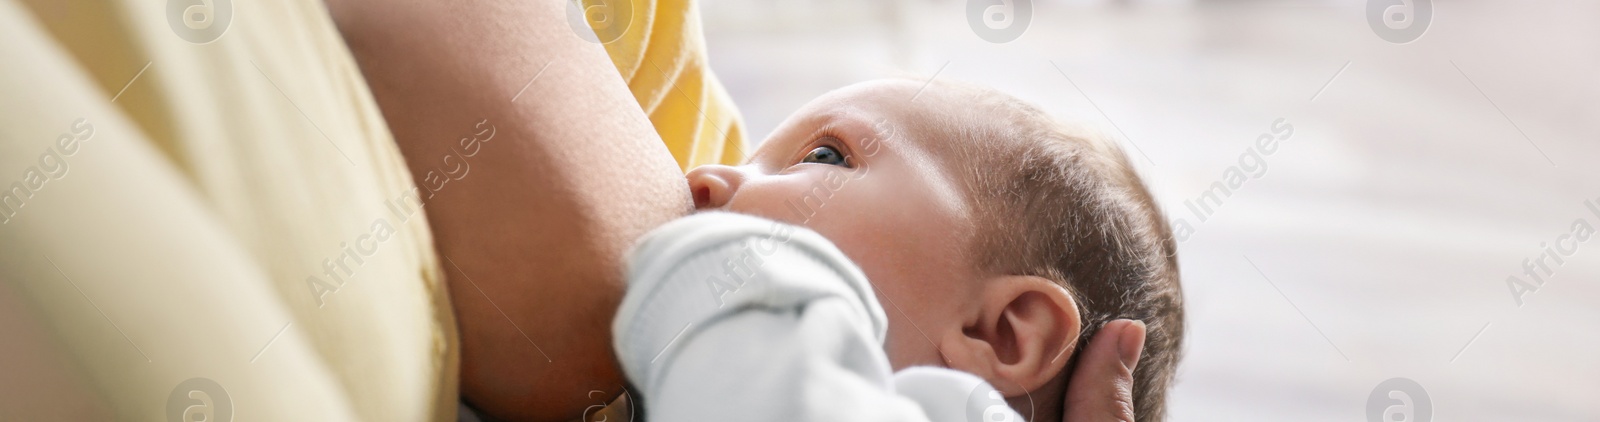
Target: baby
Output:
{"points": [[999, 239]]}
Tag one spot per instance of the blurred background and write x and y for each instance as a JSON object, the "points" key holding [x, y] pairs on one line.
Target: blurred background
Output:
{"points": [[1377, 243]]}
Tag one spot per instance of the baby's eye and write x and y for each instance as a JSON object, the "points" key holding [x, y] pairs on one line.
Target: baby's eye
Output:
{"points": [[824, 155]]}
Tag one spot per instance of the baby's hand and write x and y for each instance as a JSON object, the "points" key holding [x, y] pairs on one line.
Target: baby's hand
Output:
{"points": [[1101, 389]]}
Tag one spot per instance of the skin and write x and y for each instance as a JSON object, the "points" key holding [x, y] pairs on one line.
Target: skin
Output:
{"points": [[888, 205], [541, 225], [573, 176], [868, 168], [537, 229]]}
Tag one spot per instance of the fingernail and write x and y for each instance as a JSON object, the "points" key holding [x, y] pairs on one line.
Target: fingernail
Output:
{"points": [[1131, 345]]}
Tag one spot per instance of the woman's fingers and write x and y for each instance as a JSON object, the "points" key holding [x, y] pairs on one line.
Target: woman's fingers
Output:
{"points": [[1101, 389]]}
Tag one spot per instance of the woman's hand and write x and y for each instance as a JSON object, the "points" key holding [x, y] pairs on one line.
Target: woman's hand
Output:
{"points": [[1101, 388]]}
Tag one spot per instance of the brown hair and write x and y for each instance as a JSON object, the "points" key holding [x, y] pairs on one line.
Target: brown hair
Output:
{"points": [[1064, 204]]}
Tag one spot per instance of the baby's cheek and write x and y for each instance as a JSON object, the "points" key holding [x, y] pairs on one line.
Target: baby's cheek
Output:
{"points": [[804, 199], [906, 347], [764, 201]]}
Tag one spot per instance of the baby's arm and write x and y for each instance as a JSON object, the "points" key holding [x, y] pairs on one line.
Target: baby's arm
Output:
{"points": [[736, 317]]}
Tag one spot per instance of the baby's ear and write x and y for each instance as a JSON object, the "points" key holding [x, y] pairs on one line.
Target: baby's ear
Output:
{"points": [[1021, 336]]}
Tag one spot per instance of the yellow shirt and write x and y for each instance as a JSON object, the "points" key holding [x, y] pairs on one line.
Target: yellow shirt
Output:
{"points": [[209, 192], [661, 53], [221, 161]]}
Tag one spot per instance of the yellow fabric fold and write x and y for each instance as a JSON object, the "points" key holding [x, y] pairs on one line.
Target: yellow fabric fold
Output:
{"points": [[240, 214], [661, 53]]}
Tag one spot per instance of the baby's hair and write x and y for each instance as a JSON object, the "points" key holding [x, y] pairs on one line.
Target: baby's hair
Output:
{"points": [[1066, 204]]}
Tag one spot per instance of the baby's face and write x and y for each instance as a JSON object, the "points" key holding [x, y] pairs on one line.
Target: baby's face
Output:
{"points": [[863, 167]]}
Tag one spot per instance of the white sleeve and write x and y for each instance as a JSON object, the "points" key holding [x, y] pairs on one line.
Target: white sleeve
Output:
{"points": [[735, 317]]}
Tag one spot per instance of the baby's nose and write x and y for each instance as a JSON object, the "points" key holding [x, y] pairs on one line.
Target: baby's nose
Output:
{"points": [[713, 185]]}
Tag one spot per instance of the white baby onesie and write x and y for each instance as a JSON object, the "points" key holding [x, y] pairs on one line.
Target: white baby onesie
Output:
{"points": [[733, 317]]}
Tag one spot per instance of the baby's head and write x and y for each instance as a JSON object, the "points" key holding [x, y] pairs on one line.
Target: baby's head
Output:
{"points": [[997, 239]]}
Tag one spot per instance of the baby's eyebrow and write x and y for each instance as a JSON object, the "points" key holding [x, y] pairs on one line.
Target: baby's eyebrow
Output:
{"points": [[853, 128], [830, 125]]}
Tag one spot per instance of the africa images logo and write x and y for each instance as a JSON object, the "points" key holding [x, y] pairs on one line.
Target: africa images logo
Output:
{"points": [[199, 21], [1399, 21], [600, 21], [985, 404], [199, 400], [999, 21], [1399, 400]]}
